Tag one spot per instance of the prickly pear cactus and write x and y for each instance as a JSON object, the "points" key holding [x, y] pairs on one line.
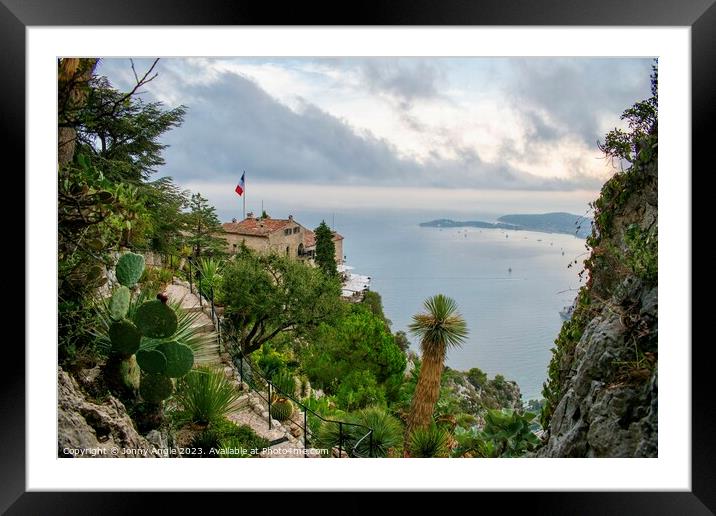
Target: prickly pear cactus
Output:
{"points": [[129, 373], [152, 361], [180, 358], [125, 337], [156, 320], [119, 303], [155, 388], [282, 409], [129, 269]]}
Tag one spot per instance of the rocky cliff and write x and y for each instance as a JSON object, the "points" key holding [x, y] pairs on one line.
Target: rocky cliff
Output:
{"points": [[601, 396], [92, 428]]}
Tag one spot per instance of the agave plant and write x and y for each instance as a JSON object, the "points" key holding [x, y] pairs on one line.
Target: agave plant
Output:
{"points": [[204, 396], [429, 442]]}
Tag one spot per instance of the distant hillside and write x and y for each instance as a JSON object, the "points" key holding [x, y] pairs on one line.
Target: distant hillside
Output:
{"points": [[447, 223], [552, 223], [567, 223]]}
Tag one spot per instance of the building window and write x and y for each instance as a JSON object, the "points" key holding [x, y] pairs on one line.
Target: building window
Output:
{"points": [[287, 231], [296, 230], [300, 250]]}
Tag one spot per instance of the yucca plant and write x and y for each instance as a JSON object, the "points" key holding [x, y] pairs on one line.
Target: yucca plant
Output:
{"points": [[440, 327], [204, 395], [210, 270], [429, 442]]}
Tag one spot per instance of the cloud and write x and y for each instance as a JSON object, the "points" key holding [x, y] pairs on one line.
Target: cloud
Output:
{"points": [[577, 94], [404, 80], [511, 124]]}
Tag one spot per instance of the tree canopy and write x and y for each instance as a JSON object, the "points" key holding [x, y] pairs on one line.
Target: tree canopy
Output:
{"points": [[202, 225], [358, 351], [268, 295]]}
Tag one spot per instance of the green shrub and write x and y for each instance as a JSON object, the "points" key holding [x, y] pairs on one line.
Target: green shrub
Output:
{"points": [[358, 390], [429, 442], [476, 377], [465, 420], [643, 253], [270, 361], [155, 279], [285, 384], [510, 431], [239, 438], [204, 396]]}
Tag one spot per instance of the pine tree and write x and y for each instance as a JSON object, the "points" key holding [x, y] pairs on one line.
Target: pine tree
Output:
{"points": [[203, 225]]}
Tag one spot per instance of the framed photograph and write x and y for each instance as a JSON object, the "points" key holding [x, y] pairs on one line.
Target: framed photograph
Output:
{"points": [[423, 240]]}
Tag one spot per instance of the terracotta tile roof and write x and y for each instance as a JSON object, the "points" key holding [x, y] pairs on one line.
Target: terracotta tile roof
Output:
{"points": [[309, 238], [256, 227]]}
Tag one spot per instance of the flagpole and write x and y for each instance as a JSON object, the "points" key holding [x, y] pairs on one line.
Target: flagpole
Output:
{"points": [[244, 196]]}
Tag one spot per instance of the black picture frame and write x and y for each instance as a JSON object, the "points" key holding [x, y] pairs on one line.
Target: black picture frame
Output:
{"points": [[700, 15]]}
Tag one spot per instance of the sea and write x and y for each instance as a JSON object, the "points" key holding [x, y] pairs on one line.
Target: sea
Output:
{"points": [[509, 285]]}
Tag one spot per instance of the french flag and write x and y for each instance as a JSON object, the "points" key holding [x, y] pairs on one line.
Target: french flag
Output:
{"points": [[240, 187]]}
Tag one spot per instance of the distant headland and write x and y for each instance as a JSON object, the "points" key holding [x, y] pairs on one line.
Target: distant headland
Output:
{"points": [[559, 222]]}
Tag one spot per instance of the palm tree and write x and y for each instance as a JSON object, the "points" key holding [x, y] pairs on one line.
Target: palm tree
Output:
{"points": [[440, 328]]}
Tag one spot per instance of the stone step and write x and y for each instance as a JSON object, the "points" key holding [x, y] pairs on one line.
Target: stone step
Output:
{"points": [[204, 326]]}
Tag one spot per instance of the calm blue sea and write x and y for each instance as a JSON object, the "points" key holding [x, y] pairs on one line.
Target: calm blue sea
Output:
{"points": [[513, 317]]}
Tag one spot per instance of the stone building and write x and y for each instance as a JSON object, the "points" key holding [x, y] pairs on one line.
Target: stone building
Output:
{"points": [[281, 236]]}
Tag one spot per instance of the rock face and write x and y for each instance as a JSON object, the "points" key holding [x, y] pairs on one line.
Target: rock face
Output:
{"points": [[602, 391], [488, 394], [88, 429], [604, 413]]}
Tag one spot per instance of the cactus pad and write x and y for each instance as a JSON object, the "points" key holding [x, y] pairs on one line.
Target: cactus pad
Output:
{"points": [[129, 373], [125, 337], [155, 388], [130, 267], [282, 409], [151, 361], [156, 320], [180, 358], [119, 303]]}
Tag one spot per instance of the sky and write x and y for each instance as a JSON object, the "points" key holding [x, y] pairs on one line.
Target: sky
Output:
{"points": [[452, 135]]}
